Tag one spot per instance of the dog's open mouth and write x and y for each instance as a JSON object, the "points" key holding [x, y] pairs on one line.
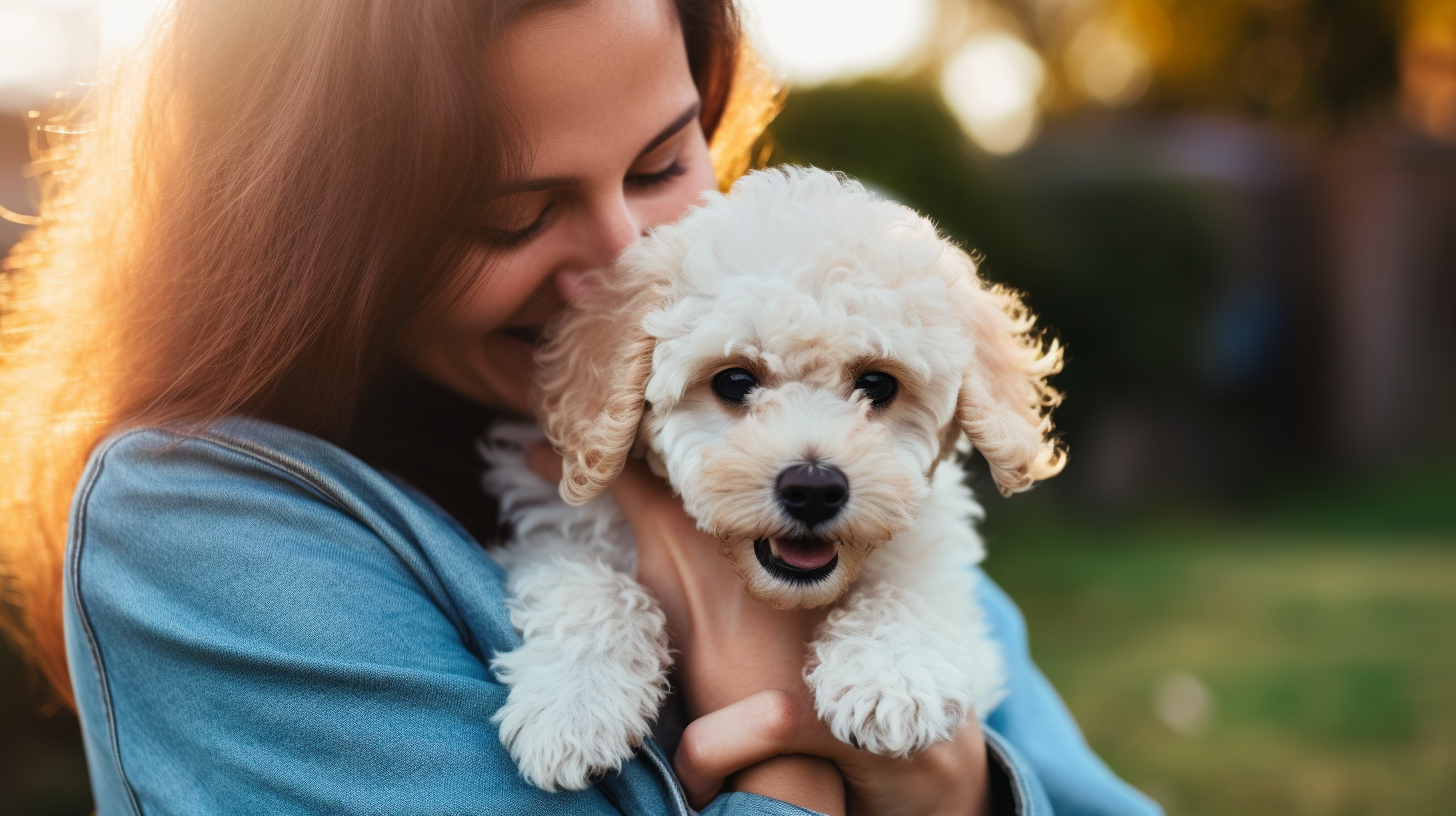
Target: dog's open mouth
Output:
{"points": [[800, 560]]}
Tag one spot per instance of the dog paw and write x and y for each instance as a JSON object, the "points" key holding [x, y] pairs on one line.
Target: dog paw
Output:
{"points": [[565, 744], [589, 676], [890, 718]]}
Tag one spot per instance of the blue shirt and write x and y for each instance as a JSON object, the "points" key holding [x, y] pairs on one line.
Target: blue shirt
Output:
{"points": [[258, 622]]}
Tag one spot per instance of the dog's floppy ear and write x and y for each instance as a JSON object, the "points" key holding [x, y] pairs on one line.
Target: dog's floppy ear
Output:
{"points": [[1005, 401], [592, 374]]}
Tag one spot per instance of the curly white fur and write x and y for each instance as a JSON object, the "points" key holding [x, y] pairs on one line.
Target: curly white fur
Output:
{"points": [[591, 672], [808, 281]]}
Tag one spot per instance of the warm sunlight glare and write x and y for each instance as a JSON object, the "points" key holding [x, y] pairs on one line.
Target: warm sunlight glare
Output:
{"points": [[122, 21], [815, 41], [47, 45]]}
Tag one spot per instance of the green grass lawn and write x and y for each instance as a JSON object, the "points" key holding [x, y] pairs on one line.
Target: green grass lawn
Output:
{"points": [[1327, 648]]}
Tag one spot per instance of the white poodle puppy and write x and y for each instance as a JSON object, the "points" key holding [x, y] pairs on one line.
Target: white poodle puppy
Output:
{"points": [[800, 360]]}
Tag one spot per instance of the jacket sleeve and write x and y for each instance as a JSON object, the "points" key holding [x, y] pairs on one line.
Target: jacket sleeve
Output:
{"points": [[241, 643], [752, 804], [1035, 745]]}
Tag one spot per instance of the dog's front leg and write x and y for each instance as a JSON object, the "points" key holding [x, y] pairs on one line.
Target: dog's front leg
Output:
{"points": [[591, 673], [885, 676], [907, 656]]}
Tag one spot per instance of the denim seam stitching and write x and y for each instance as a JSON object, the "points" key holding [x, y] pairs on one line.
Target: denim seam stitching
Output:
{"points": [[92, 645], [285, 465], [659, 762]]}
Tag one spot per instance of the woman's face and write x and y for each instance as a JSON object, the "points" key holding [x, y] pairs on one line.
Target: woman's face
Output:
{"points": [[603, 91]]}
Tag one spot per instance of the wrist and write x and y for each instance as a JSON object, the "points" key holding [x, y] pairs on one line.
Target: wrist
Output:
{"points": [[808, 782]]}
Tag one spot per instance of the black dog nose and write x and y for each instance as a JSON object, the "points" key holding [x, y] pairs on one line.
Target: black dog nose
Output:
{"points": [[812, 493]]}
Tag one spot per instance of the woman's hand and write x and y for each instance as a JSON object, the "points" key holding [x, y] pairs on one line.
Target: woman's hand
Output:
{"points": [[950, 778], [740, 672]]}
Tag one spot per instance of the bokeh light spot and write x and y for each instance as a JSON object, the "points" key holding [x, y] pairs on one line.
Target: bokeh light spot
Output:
{"points": [[1108, 65], [992, 85], [1182, 702]]}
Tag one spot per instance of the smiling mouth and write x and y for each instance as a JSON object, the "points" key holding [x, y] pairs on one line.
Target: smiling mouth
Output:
{"points": [[797, 560]]}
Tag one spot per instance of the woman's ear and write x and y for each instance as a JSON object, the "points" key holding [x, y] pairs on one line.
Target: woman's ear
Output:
{"points": [[1005, 401], [592, 372]]}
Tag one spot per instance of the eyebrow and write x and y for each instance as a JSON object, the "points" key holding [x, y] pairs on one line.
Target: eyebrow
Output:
{"points": [[677, 124], [535, 185]]}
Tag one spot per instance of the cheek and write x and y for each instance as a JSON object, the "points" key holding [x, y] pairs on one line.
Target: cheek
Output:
{"points": [[699, 177], [683, 439], [504, 294], [918, 428]]}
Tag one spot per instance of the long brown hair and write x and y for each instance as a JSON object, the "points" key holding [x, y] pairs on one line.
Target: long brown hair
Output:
{"points": [[253, 214]]}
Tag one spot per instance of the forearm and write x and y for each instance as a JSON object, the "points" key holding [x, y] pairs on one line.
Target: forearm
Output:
{"points": [[808, 782]]}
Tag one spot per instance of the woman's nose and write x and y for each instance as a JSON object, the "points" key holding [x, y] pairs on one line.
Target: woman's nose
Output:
{"points": [[618, 226], [613, 227], [613, 222]]}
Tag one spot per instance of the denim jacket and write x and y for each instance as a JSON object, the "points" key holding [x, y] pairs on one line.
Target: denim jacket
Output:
{"points": [[258, 622]]}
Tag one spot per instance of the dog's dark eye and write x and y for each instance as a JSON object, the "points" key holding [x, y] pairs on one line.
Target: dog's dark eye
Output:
{"points": [[734, 384], [878, 388]]}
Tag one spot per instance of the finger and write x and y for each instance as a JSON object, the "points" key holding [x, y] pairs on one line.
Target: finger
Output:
{"points": [[732, 738], [756, 728]]}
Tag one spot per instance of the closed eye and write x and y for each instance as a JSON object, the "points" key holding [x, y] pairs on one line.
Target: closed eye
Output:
{"points": [[643, 181], [511, 238]]}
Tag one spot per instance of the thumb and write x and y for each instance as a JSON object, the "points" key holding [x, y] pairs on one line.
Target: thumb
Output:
{"points": [[764, 725]]}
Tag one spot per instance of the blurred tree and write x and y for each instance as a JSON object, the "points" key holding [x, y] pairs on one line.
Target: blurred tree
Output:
{"points": [[1428, 67], [1322, 60]]}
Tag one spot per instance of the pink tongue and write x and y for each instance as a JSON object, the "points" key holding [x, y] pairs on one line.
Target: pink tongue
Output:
{"points": [[806, 553]]}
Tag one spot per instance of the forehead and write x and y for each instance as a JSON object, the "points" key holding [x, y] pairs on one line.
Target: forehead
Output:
{"points": [[592, 77], [808, 287]]}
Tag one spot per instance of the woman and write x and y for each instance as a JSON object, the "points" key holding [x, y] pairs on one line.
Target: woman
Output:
{"points": [[307, 236]]}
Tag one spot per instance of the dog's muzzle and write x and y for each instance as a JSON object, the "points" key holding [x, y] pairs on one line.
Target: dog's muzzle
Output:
{"points": [[812, 494]]}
